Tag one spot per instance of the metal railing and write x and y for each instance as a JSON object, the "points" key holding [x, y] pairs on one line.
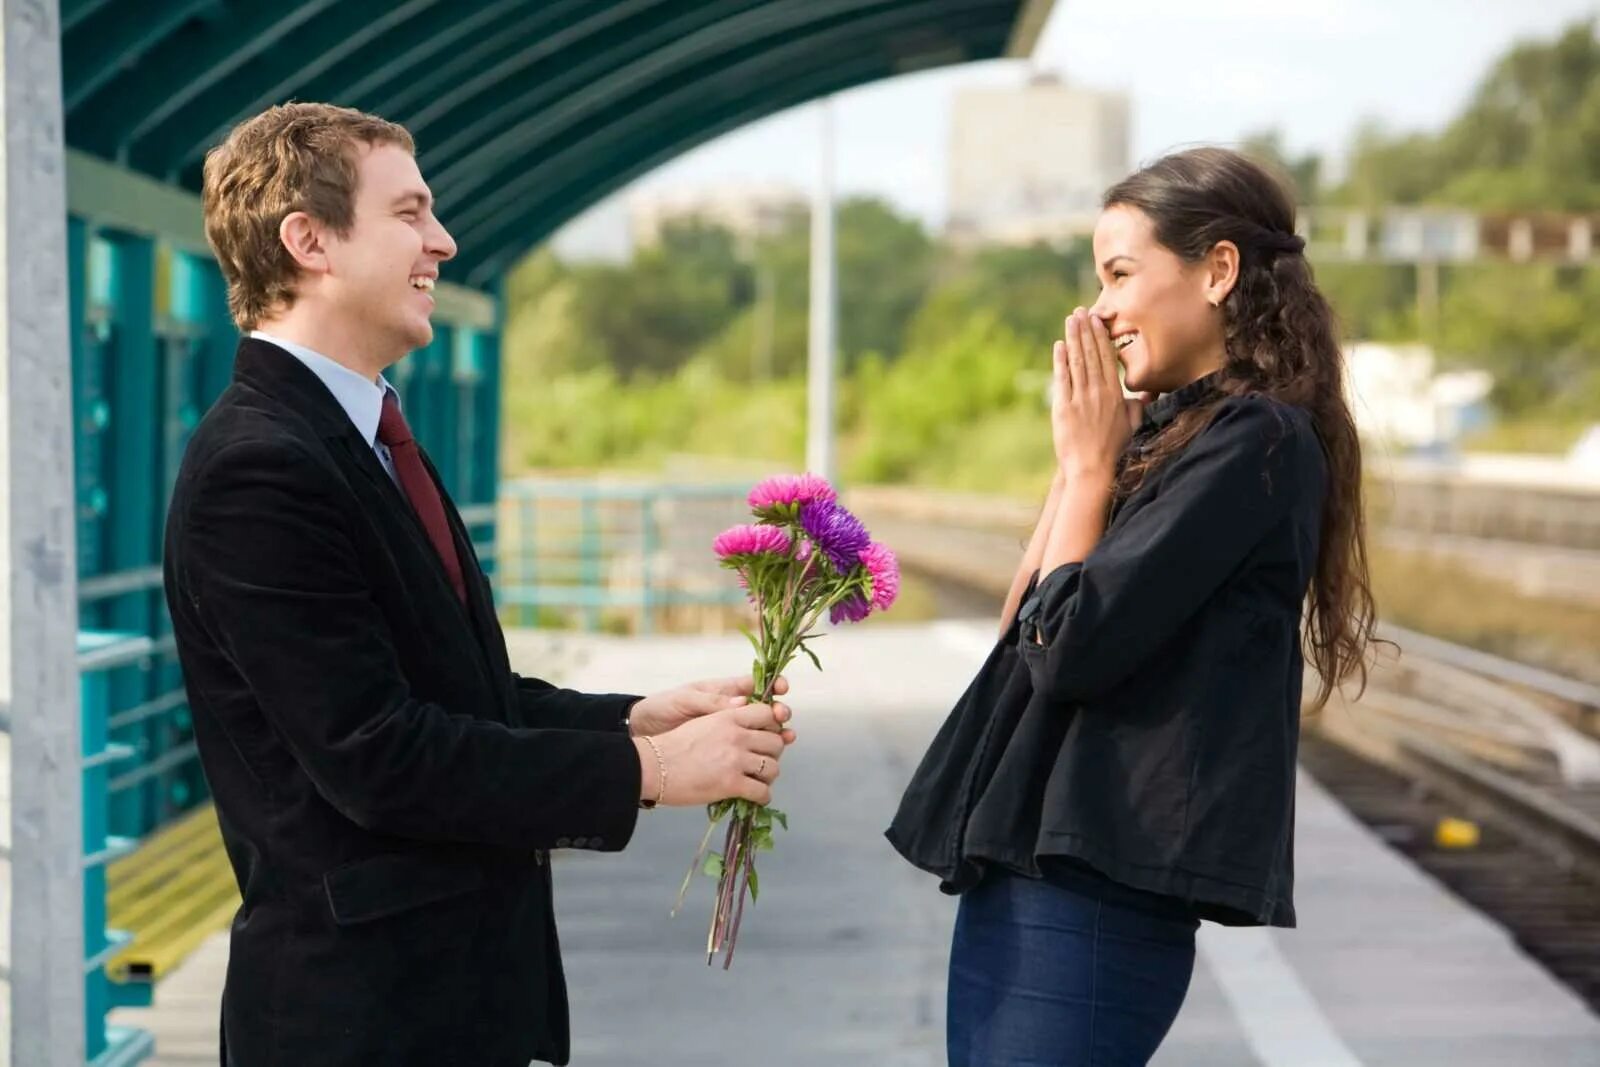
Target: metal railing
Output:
{"points": [[612, 555]]}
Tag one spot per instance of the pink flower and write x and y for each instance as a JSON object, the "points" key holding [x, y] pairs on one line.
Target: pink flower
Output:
{"points": [[750, 540], [885, 572], [786, 491]]}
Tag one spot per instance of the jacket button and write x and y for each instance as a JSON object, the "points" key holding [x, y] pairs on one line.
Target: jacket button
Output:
{"points": [[595, 842], [563, 842], [580, 842]]}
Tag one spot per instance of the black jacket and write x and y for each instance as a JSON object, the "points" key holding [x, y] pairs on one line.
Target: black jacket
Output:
{"points": [[385, 784], [1152, 734]]}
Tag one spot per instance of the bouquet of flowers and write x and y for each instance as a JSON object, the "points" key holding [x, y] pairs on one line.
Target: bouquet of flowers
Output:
{"points": [[805, 555]]}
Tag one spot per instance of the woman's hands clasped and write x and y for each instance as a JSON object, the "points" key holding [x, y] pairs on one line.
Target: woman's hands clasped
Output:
{"points": [[1090, 419]]}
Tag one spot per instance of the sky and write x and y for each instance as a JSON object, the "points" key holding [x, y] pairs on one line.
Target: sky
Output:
{"points": [[1195, 70]]}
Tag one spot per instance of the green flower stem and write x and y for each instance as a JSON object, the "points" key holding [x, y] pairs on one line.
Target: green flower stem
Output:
{"points": [[786, 615]]}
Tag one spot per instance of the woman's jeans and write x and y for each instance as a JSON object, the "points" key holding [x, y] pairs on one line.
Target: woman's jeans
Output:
{"points": [[1044, 976]]}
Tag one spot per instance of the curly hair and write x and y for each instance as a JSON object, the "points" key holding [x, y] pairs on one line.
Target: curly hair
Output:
{"points": [[1281, 340]]}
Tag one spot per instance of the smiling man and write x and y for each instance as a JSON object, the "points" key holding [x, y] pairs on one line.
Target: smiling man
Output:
{"points": [[386, 786]]}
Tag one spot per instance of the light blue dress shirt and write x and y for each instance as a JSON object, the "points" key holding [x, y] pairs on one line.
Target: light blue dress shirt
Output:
{"points": [[361, 399]]}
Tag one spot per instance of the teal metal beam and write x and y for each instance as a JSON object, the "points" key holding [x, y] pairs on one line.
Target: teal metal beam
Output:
{"points": [[621, 30], [179, 71], [764, 48], [75, 12], [567, 69], [116, 42], [658, 116], [496, 252], [447, 37], [387, 81], [334, 39], [389, 74], [120, 199], [564, 193]]}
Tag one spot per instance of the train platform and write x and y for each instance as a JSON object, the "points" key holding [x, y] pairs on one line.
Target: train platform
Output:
{"points": [[843, 959]]}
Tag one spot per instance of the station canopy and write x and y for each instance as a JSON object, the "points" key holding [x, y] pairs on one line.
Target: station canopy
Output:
{"points": [[525, 112]]}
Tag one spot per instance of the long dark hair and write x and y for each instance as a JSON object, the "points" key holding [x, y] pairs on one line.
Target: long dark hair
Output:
{"points": [[1282, 340]]}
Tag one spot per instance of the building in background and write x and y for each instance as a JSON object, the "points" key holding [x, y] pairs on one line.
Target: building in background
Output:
{"points": [[747, 210], [1030, 163]]}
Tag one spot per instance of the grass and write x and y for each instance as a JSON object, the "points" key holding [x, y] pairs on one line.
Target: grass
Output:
{"points": [[1421, 593], [1544, 434]]}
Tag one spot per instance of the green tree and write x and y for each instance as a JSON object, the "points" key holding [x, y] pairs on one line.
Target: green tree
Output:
{"points": [[1304, 172]]}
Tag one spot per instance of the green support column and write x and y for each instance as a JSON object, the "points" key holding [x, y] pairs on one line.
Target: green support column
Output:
{"points": [[443, 409], [135, 496], [485, 457], [196, 355], [222, 336], [90, 415]]}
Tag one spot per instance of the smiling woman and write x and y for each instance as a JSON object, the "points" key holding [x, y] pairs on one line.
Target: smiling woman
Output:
{"points": [[1123, 765]]}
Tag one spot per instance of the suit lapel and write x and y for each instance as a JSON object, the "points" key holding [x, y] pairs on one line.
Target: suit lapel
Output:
{"points": [[276, 373], [480, 602]]}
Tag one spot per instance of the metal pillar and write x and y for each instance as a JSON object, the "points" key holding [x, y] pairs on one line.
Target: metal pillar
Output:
{"points": [[824, 302], [38, 583]]}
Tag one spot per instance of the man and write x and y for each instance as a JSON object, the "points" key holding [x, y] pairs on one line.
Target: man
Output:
{"points": [[387, 787]]}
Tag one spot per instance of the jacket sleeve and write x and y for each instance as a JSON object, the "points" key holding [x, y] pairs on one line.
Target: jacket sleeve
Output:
{"points": [[540, 704], [1090, 625], [276, 580]]}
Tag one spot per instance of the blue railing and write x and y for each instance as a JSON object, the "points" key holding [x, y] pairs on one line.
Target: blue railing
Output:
{"points": [[99, 653], [616, 556]]}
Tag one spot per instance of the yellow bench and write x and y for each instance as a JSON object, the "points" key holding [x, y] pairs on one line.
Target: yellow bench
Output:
{"points": [[170, 894]]}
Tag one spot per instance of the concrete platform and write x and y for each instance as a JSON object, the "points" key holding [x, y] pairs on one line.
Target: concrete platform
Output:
{"points": [[842, 962]]}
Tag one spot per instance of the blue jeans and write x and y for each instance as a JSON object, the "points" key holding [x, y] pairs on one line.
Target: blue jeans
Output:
{"points": [[1045, 976]]}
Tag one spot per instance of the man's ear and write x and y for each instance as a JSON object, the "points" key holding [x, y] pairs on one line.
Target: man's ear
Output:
{"points": [[304, 237]]}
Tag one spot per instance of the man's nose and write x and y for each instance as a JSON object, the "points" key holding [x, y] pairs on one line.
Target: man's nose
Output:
{"points": [[440, 243]]}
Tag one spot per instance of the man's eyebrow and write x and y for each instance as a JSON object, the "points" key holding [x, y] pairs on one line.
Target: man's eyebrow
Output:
{"points": [[414, 197]]}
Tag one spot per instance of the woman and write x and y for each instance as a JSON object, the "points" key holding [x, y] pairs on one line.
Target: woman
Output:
{"points": [[1123, 765]]}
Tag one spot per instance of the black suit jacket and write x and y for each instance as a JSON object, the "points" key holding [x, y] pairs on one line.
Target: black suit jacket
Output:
{"points": [[386, 786]]}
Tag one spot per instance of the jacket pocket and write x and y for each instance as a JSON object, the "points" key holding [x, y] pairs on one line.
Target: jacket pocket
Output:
{"points": [[385, 885]]}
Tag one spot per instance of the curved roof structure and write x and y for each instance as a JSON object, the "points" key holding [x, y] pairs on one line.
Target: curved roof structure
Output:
{"points": [[525, 111]]}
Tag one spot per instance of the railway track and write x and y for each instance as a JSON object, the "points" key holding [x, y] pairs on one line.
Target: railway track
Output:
{"points": [[1486, 773]]}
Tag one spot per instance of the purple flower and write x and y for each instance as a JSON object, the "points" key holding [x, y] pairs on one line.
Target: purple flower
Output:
{"points": [[838, 534], [750, 540], [852, 608], [885, 572]]}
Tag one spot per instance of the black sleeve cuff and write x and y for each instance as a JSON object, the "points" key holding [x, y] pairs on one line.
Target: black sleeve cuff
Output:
{"points": [[1048, 601]]}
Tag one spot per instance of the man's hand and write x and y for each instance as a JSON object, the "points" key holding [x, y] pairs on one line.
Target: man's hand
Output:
{"points": [[729, 753], [670, 709]]}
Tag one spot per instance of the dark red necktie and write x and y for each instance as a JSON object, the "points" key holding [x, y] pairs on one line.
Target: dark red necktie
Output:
{"points": [[419, 487]]}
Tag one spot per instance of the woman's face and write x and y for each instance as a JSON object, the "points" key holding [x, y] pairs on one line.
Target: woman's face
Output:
{"points": [[1156, 307]]}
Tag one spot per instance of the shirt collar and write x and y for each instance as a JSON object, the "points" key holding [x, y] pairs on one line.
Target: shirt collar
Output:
{"points": [[1166, 407], [360, 398]]}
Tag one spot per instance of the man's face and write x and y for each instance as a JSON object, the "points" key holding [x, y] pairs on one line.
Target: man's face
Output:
{"points": [[383, 271]]}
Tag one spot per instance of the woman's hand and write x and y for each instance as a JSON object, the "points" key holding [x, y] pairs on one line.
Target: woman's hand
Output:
{"points": [[1090, 419]]}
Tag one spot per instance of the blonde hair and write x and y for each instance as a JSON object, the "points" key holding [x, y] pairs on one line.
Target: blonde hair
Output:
{"points": [[292, 157]]}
